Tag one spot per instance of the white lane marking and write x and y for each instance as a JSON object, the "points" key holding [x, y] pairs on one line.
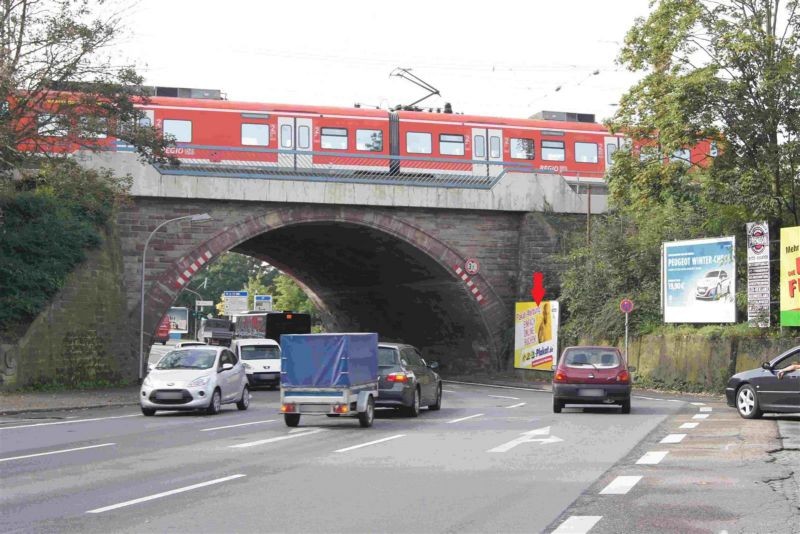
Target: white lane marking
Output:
{"points": [[652, 457], [502, 397], [72, 421], [578, 524], [620, 485], [706, 409], [56, 452], [701, 416], [449, 391], [495, 386], [645, 398], [697, 403], [240, 424], [528, 437], [465, 418], [674, 400], [370, 443], [164, 494], [517, 405], [689, 425], [673, 438], [273, 440]]}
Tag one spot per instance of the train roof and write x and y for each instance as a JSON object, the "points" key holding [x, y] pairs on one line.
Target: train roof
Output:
{"points": [[467, 120]]}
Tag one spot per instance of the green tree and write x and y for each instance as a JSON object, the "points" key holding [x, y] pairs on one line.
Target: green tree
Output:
{"points": [[290, 296], [51, 46]]}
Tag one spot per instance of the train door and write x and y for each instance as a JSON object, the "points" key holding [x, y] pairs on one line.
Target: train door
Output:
{"points": [[611, 144], [294, 141], [487, 145]]}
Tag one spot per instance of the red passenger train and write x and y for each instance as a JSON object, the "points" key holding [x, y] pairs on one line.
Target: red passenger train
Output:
{"points": [[214, 133]]}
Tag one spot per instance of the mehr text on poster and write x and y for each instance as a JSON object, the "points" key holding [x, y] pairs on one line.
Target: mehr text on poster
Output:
{"points": [[699, 281], [178, 320], [790, 276], [536, 335]]}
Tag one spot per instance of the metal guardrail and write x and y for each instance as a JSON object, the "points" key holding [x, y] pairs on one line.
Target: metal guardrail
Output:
{"points": [[328, 166]]}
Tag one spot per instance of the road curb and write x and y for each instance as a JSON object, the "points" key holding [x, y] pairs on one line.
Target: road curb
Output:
{"points": [[69, 408]]}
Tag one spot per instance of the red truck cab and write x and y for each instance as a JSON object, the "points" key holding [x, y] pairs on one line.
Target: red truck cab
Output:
{"points": [[162, 334]]}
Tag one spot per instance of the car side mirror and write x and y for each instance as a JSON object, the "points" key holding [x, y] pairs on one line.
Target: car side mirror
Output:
{"points": [[631, 368], [766, 366], [227, 366], [433, 365]]}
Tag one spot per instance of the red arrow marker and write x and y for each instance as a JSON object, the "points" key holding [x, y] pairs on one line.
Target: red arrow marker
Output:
{"points": [[538, 288]]}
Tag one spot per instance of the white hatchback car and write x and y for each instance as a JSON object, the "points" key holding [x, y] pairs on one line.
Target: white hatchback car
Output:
{"points": [[261, 359], [195, 378]]}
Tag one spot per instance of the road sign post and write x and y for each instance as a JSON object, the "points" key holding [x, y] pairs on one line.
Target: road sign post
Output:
{"points": [[626, 306]]}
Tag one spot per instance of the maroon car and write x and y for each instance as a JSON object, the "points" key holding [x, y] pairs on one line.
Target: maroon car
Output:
{"points": [[592, 375]]}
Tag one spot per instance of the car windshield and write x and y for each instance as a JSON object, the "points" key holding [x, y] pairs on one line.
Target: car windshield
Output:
{"points": [[188, 359], [387, 356], [260, 352], [712, 274], [592, 357]]}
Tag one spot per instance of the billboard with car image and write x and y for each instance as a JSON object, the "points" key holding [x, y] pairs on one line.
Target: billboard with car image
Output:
{"points": [[698, 281]]}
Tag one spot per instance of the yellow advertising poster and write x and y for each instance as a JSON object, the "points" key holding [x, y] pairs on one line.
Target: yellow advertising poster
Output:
{"points": [[536, 335], [790, 276]]}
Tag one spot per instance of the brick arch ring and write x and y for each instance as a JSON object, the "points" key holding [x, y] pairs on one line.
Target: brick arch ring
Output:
{"points": [[170, 283]]}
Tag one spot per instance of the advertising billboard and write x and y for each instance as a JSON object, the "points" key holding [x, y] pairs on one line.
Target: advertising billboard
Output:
{"points": [[698, 280], [758, 274], [536, 335], [178, 320], [790, 276]]}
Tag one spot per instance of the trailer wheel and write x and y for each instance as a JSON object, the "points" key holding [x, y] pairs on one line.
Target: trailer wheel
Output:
{"points": [[366, 417], [291, 419]]}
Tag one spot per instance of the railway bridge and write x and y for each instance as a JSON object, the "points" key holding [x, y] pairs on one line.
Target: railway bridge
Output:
{"points": [[373, 253]]}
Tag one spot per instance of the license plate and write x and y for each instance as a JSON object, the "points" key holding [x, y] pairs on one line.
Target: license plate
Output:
{"points": [[591, 392], [170, 395]]}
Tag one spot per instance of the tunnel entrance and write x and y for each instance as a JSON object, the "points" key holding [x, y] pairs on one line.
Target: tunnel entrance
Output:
{"points": [[364, 279]]}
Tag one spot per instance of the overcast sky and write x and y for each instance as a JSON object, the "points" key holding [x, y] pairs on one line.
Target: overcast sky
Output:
{"points": [[502, 58]]}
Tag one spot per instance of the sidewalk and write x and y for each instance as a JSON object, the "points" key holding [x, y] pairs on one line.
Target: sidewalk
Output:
{"points": [[28, 402]]}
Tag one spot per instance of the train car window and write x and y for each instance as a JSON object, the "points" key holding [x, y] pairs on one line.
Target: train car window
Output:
{"points": [[93, 127], [479, 150], [334, 138], [451, 145], [522, 148], [610, 149], [52, 125], [682, 155], [586, 152], [179, 129], [553, 150], [370, 140], [304, 137], [146, 118], [287, 137], [648, 153], [494, 147], [255, 134], [418, 143]]}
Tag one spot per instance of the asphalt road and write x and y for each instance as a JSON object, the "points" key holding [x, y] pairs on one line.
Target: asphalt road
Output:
{"points": [[491, 460]]}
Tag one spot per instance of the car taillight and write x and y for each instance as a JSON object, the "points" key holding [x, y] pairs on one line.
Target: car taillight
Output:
{"points": [[560, 376], [288, 407], [397, 377], [340, 408], [624, 376]]}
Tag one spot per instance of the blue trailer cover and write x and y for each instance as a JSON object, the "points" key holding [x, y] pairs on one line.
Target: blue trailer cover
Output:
{"points": [[329, 360]]}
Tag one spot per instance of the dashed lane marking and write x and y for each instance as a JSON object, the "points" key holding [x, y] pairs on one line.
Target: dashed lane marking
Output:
{"points": [[652, 457], [578, 524], [56, 452], [706, 409], [449, 391], [689, 425], [273, 440], [517, 405], [465, 418], [673, 438], [497, 386], [72, 421], [698, 403], [370, 443], [701, 416], [502, 397], [164, 494], [240, 424], [620, 485]]}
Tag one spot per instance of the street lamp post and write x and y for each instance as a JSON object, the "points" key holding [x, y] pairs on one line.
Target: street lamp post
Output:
{"points": [[194, 218]]}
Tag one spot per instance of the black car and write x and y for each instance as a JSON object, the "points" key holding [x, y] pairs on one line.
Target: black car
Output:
{"points": [[757, 391], [406, 382]]}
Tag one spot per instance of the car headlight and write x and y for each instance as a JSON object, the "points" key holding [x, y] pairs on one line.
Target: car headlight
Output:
{"points": [[202, 381], [147, 383]]}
